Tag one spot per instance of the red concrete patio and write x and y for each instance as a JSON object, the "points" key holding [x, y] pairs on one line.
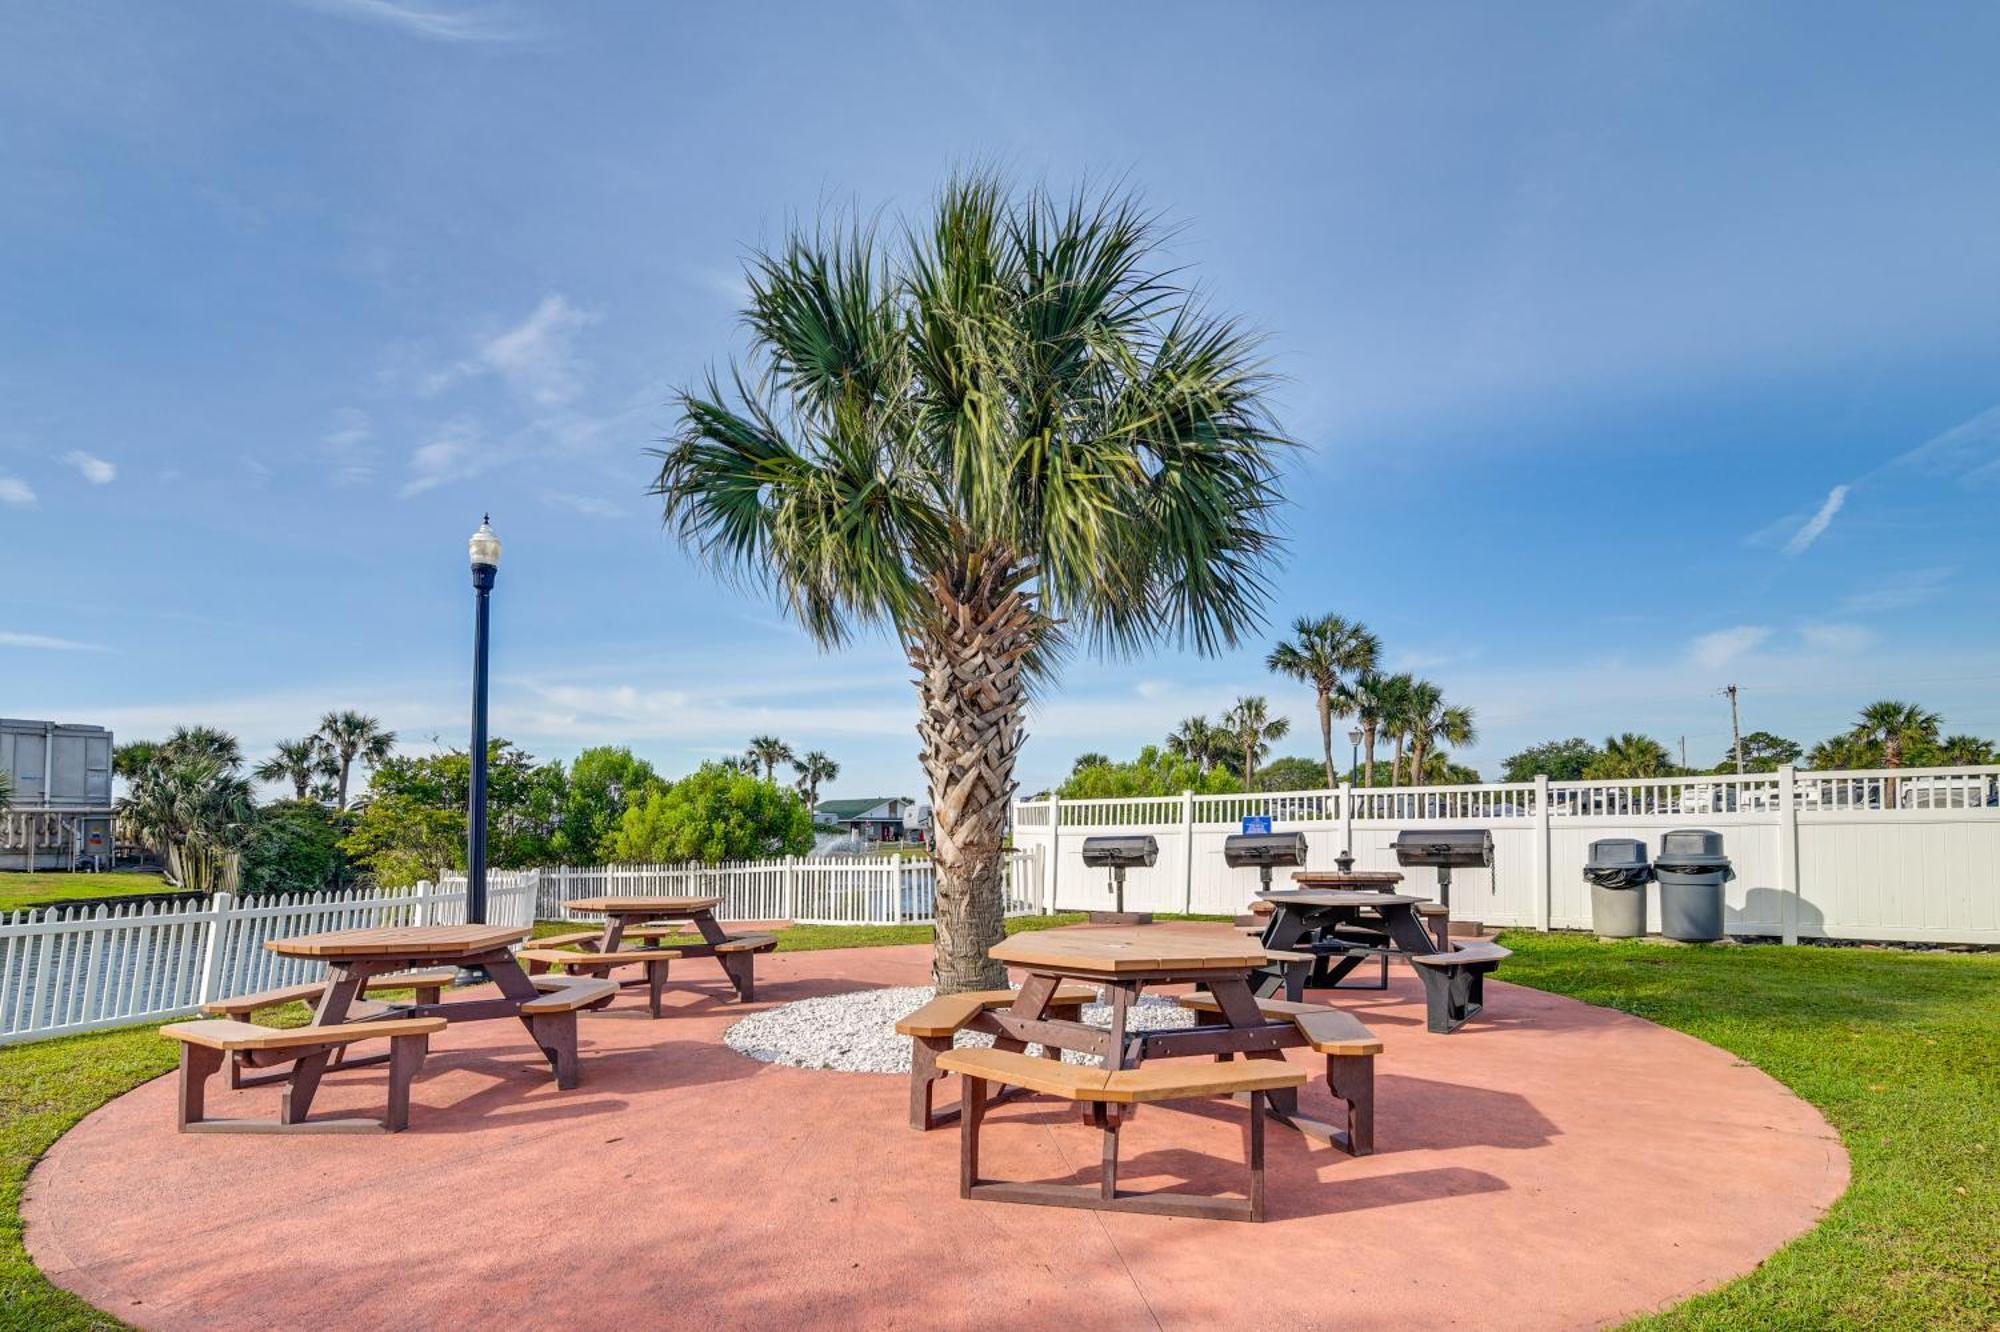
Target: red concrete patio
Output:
{"points": [[1551, 1165]]}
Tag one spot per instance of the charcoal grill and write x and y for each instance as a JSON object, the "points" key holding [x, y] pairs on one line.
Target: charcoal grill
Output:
{"points": [[1445, 849], [1119, 854], [1265, 851]]}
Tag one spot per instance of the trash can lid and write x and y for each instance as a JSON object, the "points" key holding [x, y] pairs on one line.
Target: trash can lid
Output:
{"points": [[1682, 843], [1616, 853]]}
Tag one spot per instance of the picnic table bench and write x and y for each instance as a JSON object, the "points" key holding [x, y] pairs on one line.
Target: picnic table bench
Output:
{"points": [[650, 919], [1346, 927], [205, 1043]]}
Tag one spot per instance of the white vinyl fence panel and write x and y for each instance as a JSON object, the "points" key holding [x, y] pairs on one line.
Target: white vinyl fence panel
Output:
{"points": [[63, 972], [1911, 855]]}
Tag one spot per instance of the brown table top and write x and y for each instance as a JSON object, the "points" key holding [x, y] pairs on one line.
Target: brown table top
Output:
{"points": [[1373, 879], [428, 941], [651, 906], [1111, 950], [1334, 897]]}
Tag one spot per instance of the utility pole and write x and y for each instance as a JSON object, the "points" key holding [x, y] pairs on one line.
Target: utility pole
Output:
{"points": [[1684, 751], [1735, 727]]}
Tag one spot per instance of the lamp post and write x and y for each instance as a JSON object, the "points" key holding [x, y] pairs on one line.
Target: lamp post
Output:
{"points": [[1354, 750], [485, 550]]}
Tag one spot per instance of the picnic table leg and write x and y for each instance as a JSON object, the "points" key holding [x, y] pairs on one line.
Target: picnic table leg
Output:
{"points": [[614, 932], [711, 928], [1351, 1079], [974, 1102], [1239, 1009], [553, 1033], [296, 1102], [198, 1064], [656, 985], [406, 1056], [741, 969], [924, 1076]]}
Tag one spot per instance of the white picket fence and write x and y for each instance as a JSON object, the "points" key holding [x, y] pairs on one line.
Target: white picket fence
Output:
{"points": [[1903, 855], [63, 972], [116, 964], [860, 890]]}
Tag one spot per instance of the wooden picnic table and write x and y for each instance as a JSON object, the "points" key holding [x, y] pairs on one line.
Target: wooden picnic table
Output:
{"points": [[622, 915], [1124, 960], [354, 957], [1343, 928], [1378, 881]]}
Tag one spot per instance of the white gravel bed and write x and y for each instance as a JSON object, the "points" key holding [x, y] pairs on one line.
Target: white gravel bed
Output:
{"points": [[856, 1033]]}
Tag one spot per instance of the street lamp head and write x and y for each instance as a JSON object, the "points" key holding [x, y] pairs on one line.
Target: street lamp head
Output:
{"points": [[1355, 736], [484, 546]]}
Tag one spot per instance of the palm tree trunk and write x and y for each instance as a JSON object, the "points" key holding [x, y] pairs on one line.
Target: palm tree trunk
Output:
{"points": [[346, 762], [1396, 764], [1417, 750], [972, 695], [1368, 743], [1326, 734]]}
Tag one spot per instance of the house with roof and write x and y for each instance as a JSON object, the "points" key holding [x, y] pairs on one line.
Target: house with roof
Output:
{"points": [[869, 818]]}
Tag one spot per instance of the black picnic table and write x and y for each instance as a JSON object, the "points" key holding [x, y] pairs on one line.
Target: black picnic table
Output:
{"points": [[1342, 928]]}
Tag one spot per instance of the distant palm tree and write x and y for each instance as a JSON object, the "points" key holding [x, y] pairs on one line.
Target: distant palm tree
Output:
{"points": [[1366, 700], [1897, 727], [348, 736], [814, 768], [1432, 722], [1962, 751], [1328, 653], [300, 762], [768, 751], [1090, 759], [1252, 727], [196, 810], [999, 427], [130, 759], [203, 742], [1396, 703], [1630, 755], [1201, 740]]}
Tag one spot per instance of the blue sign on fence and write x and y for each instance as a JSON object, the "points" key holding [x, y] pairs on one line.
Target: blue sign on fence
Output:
{"points": [[1256, 823]]}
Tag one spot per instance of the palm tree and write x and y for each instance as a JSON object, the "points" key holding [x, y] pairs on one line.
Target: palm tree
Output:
{"points": [[1396, 703], [196, 810], [997, 430], [1432, 721], [1630, 755], [300, 762], [767, 752], [1367, 700], [351, 735], [202, 742], [1898, 727], [1089, 759], [131, 759], [1962, 751], [1327, 653], [1252, 727], [814, 768], [1201, 740]]}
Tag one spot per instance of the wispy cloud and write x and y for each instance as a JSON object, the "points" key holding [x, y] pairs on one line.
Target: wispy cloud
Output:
{"points": [[1712, 651], [536, 357], [16, 492], [92, 468], [46, 642], [456, 451], [587, 505], [1969, 452], [349, 448], [438, 25], [1900, 591], [1815, 526]]}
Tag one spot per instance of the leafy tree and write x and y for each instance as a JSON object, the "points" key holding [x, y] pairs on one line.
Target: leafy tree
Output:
{"points": [[997, 429], [1201, 740], [348, 736], [768, 751], [1762, 752], [404, 840], [601, 785], [1290, 774], [1631, 755], [1251, 728], [416, 809], [1154, 773], [1897, 727], [714, 815], [1330, 654], [294, 847], [1562, 760], [814, 768], [134, 757], [1430, 721], [301, 762]]}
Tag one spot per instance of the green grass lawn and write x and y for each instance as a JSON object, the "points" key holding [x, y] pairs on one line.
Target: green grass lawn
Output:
{"points": [[35, 888], [1901, 1051]]}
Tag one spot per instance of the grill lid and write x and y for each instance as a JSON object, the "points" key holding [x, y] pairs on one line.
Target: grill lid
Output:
{"points": [[1446, 848], [1133, 852], [1259, 849]]}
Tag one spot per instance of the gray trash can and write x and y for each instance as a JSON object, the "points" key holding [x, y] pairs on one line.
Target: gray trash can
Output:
{"points": [[1618, 875], [1691, 870]]}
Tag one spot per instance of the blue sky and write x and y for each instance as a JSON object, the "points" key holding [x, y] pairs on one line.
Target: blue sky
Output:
{"points": [[1640, 348]]}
